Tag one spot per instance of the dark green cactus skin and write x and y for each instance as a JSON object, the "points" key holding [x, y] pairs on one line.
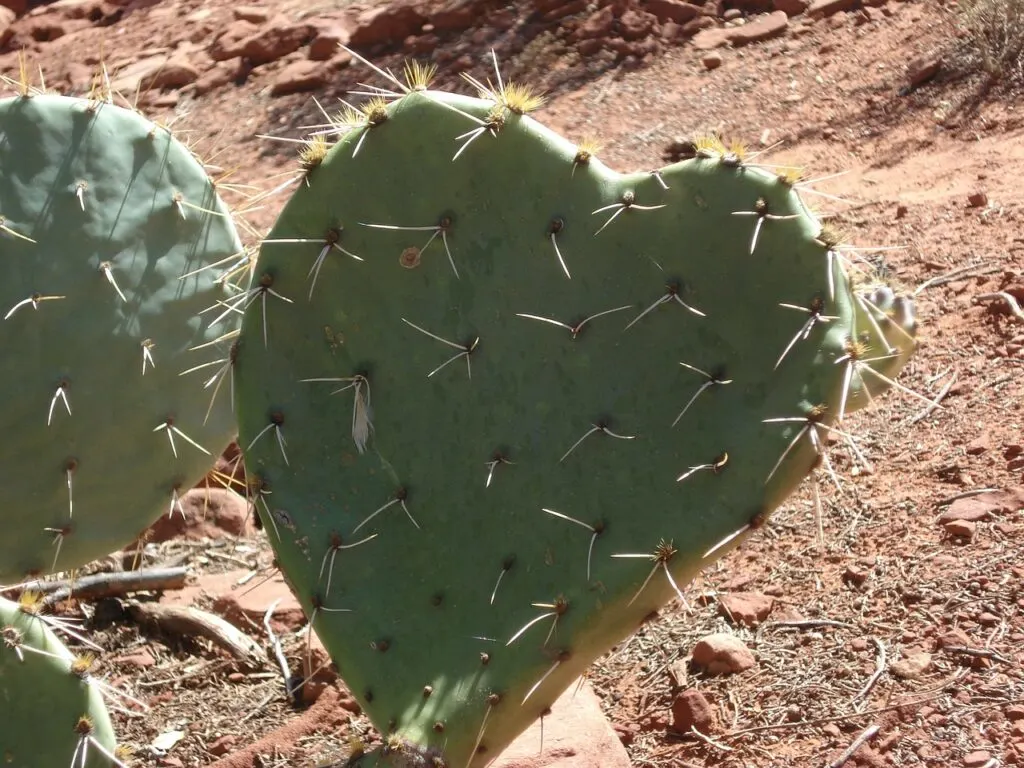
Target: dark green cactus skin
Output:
{"points": [[116, 212], [42, 699], [419, 618]]}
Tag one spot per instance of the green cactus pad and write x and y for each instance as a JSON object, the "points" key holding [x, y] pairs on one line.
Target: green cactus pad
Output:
{"points": [[52, 710], [894, 324], [515, 398], [107, 224]]}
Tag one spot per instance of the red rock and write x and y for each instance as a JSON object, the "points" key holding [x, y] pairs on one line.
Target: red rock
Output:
{"points": [[598, 24], [228, 469], [822, 8], [250, 602], [746, 608], [220, 74], [912, 667], [387, 24], [762, 27], [325, 44], [711, 60], [692, 710], [626, 732], [566, 9], [204, 513], [575, 735], [229, 43], [634, 25], [977, 758], [710, 38], [790, 7], [963, 529], [155, 72], [1014, 712], [855, 574], [43, 30], [203, 588], [69, 9], [339, 61], [17, 7], [275, 41], [984, 505], [977, 199], [251, 13], [221, 746], [176, 73], [722, 653], [746, 7], [7, 17], [953, 638], [921, 70], [460, 16], [299, 76], [969, 509], [691, 28], [672, 10], [141, 659]]}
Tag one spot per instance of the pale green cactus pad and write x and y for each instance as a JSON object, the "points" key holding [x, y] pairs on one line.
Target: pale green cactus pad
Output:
{"points": [[498, 407], [109, 227], [53, 712]]}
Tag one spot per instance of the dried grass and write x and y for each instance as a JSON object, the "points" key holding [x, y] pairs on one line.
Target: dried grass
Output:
{"points": [[994, 37]]}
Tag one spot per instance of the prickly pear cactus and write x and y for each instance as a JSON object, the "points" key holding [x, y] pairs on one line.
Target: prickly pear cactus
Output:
{"points": [[109, 319], [54, 714], [500, 401]]}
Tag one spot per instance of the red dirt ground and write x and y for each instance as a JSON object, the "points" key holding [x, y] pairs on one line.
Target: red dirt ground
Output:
{"points": [[930, 169]]}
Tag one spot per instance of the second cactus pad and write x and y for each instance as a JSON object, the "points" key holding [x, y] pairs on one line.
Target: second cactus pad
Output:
{"points": [[53, 712], [112, 242], [498, 406]]}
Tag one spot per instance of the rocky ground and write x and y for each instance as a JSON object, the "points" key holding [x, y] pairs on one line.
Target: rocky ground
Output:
{"points": [[897, 627]]}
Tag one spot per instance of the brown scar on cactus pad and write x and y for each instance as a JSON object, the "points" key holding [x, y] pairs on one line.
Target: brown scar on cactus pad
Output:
{"points": [[638, 390]]}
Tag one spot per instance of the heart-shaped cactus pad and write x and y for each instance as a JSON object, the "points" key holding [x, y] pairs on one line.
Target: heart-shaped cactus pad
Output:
{"points": [[498, 402]]}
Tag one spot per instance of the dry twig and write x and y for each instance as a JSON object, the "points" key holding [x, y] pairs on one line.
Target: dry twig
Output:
{"points": [[935, 402], [291, 690], [864, 735], [192, 622], [971, 270], [116, 584], [880, 663], [1015, 309]]}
